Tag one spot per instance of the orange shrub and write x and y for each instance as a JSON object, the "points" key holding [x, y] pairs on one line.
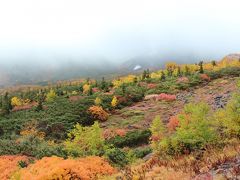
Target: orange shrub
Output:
{"points": [[173, 123], [9, 164], [108, 134], [58, 168], [98, 113]]}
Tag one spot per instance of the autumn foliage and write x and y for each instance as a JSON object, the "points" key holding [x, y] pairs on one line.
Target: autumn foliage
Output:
{"points": [[98, 113], [162, 96], [25, 106], [166, 97], [58, 168], [205, 77], [110, 133], [173, 123], [8, 165], [114, 102], [182, 80], [151, 86]]}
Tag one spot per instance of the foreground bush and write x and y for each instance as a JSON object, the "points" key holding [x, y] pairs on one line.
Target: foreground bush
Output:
{"points": [[9, 164], [58, 168]]}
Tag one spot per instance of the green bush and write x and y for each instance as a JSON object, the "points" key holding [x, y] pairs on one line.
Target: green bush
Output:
{"points": [[158, 131], [228, 119], [85, 141], [194, 80], [131, 139], [30, 146], [22, 164], [117, 156], [142, 152], [134, 93], [228, 71]]}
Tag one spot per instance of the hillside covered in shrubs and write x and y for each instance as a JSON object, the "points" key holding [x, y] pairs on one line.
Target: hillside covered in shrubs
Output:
{"points": [[182, 121]]}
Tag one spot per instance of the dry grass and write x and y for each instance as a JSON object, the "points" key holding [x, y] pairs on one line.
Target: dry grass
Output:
{"points": [[183, 167]]}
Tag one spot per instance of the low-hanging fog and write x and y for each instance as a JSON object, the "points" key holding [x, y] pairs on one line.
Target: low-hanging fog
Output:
{"points": [[62, 39]]}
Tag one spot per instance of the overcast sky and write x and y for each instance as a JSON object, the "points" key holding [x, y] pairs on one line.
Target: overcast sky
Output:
{"points": [[51, 30]]}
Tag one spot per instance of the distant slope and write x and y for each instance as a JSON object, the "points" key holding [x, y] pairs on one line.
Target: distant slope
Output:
{"points": [[35, 73], [24, 73], [155, 62], [231, 57]]}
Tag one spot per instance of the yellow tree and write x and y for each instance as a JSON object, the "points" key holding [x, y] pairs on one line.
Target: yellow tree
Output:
{"points": [[155, 75], [170, 67], [51, 96], [117, 83], [86, 88], [158, 130], [15, 101], [98, 101], [114, 101]]}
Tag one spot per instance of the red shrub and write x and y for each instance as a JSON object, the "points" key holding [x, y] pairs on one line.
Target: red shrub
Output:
{"points": [[120, 132], [166, 97], [151, 86], [204, 77], [24, 107], [94, 90], [182, 80], [122, 100], [75, 98]]}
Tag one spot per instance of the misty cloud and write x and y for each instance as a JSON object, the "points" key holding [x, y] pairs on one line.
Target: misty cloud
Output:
{"points": [[60, 30]]}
